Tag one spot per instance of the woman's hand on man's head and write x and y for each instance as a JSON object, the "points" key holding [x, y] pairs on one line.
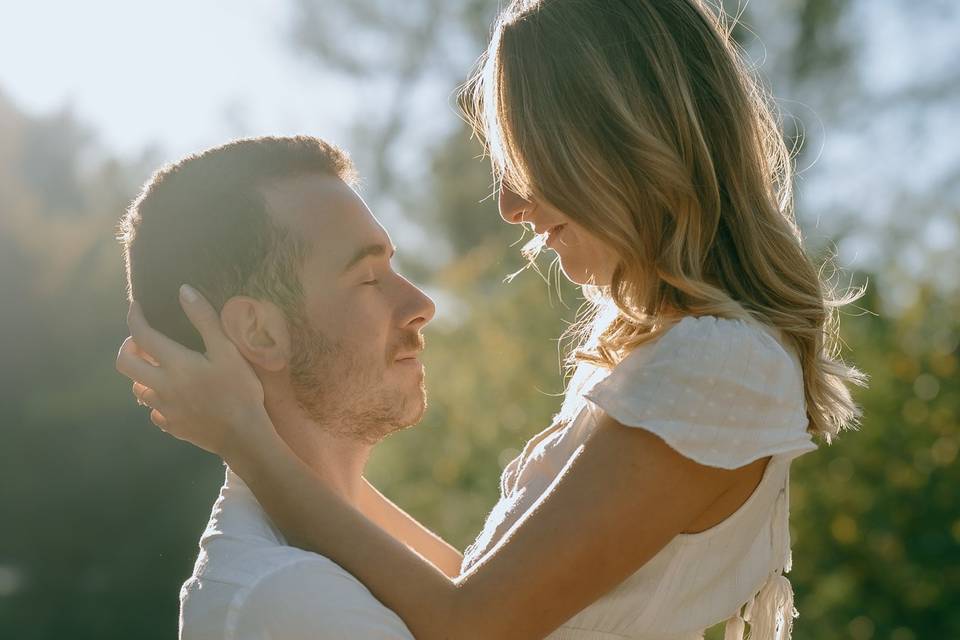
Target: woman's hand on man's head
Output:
{"points": [[213, 400]]}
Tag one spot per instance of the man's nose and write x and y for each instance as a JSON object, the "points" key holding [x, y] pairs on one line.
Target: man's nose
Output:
{"points": [[418, 308], [513, 206]]}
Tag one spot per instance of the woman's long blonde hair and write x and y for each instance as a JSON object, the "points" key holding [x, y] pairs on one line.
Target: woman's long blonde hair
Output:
{"points": [[639, 120]]}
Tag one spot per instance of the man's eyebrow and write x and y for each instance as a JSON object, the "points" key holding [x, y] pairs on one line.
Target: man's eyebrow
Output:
{"points": [[366, 252]]}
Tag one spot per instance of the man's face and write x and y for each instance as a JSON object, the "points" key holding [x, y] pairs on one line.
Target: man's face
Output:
{"points": [[352, 367]]}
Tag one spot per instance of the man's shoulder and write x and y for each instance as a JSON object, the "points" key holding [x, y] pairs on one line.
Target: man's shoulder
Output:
{"points": [[240, 545], [243, 562], [248, 583], [226, 574], [282, 592]]}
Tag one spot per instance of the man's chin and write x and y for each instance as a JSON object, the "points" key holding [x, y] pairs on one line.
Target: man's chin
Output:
{"points": [[417, 407]]}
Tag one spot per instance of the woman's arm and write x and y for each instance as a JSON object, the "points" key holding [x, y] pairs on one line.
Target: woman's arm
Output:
{"points": [[623, 496], [621, 499], [398, 523]]}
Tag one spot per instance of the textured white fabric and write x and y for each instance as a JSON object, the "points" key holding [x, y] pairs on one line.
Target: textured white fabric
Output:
{"points": [[721, 392], [248, 584]]}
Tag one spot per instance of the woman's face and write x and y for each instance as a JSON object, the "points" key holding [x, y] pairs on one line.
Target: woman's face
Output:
{"points": [[584, 259]]}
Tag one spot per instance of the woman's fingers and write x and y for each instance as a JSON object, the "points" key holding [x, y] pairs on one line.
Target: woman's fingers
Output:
{"points": [[138, 390], [204, 318], [150, 340], [146, 396], [157, 418], [144, 355], [132, 365]]}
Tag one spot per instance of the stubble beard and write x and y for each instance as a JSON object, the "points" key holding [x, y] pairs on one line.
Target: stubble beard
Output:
{"points": [[343, 394]]}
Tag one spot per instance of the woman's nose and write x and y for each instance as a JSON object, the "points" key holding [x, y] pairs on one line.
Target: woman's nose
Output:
{"points": [[513, 206]]}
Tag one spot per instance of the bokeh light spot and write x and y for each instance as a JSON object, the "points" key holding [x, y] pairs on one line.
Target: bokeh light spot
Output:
{"points": [[844, 529], [926, 386], [10, 581], [861, 628]]}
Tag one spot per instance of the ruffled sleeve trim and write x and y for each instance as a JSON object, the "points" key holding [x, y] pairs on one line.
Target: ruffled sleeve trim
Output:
{"points": [[721, 392]]}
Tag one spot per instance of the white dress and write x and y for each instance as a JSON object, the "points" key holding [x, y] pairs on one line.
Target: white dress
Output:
{"points": [[723, 393]]}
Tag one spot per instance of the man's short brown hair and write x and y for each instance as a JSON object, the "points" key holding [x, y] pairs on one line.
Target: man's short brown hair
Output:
{"points": [[204, 221]]}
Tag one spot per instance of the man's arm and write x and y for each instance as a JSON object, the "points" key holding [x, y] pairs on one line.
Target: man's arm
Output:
{"points": [[402, 526]]}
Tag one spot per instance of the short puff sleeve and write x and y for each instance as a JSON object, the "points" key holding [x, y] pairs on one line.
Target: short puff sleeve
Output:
{"points": [[720, 391]]}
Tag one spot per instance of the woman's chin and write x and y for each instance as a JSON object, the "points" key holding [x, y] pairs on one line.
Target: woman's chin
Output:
{"points": [[580, 275]]}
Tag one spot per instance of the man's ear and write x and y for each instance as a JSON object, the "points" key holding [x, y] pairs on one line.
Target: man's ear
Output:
{"points": [[259, 331]]}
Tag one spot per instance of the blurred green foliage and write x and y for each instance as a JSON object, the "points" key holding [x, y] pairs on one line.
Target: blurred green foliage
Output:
{"points": [[102, 512]]}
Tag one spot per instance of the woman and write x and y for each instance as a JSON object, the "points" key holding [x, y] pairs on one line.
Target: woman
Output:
{"points": [[629, 134]]}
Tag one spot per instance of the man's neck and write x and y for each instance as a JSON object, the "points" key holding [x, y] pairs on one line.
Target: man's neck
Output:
{"points": [[338, 460]]}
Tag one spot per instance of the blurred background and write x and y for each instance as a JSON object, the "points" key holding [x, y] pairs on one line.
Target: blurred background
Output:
{"points": [[100, 513]]}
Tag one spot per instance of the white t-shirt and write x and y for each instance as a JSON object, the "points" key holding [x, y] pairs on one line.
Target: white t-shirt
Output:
{"points": [[248, 584], [721, 392]]}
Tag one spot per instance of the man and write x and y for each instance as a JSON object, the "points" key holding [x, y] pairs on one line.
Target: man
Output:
{"points": [[271, 232]]}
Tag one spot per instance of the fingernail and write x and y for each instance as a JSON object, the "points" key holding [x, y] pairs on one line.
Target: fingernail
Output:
{"points": [[188, 293]]}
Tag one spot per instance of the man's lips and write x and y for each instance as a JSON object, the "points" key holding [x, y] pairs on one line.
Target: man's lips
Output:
{"points": [[410, 364]]}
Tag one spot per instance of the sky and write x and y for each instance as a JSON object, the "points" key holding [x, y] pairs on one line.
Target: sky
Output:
{"points": [[179, 75], [184, 74]]}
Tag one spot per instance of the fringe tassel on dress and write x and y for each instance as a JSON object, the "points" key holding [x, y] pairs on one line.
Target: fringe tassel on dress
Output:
{"points": [[770, 613], [734, 628]]}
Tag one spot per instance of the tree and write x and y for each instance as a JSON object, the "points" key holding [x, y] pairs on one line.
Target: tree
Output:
{"points": [[101, 515]]}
